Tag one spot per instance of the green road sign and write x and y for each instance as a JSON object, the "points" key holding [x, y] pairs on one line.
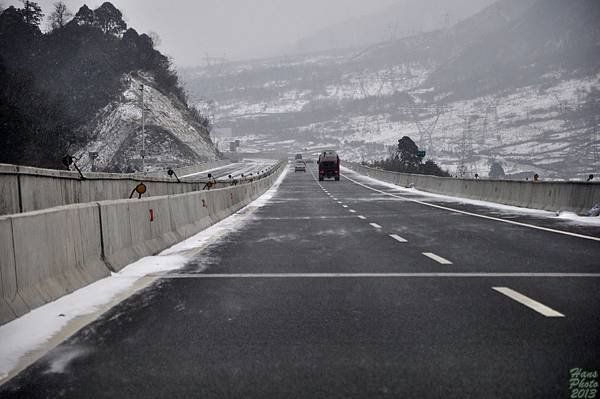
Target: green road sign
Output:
{"points": [[421, 153]]}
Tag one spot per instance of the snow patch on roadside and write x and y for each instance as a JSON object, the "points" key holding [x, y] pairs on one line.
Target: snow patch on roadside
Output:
{"points": [[564, 216], [33, 330]]}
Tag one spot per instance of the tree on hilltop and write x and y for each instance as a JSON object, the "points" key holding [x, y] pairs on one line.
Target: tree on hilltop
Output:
{"points": [[109, 19], [84, 16], [31, 13], [60, 16]]}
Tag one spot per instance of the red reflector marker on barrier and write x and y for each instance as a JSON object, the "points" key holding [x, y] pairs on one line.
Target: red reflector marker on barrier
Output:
{"points": [[152, 215]]}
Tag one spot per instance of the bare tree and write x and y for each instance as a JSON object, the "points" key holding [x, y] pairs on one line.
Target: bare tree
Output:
{"points": [[60, 16]]}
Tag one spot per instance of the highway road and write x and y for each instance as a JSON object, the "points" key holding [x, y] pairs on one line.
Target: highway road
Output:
{"points": [[350, 289], [235, 169]]}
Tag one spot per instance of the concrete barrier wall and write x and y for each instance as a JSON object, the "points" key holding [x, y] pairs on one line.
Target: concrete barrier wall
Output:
{"points": [[26, 189], [129, 233], [49, 253], [54, 252], [576, 197]]}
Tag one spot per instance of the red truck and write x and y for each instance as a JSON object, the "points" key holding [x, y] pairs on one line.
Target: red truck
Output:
{"points": [[329, 165]]}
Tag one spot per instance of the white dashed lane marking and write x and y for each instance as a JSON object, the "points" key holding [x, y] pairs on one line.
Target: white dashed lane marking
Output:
{"points": [[345, 206], [375, 225], [476, 214], [362, 217], [437, 258], [398, 238], [530, 303], [352, 210]]}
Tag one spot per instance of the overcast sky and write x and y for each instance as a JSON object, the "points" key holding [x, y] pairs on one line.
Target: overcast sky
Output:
{"points": [[189, 29]]}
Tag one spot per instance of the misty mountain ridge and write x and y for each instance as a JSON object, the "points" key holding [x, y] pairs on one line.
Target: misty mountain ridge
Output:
{"points": [[401, 19], [517, 82]]}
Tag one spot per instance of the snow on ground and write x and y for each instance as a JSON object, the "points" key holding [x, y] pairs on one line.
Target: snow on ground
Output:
{"points": [[509, 209], [116, 121], [33, 330], [244, 166]]}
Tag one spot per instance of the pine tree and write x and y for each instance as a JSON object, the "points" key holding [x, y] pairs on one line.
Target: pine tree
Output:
{"points": [[408, 153], [109, 19], [496, 171], [84, 16], [32, 13]]}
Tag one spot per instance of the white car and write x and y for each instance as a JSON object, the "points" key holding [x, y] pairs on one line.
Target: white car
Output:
{"points": [[299, 166]]}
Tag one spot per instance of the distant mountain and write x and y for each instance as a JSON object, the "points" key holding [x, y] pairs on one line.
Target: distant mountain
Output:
{"points": [[516, 83], [441, 46], [59, 88], [404, 18], [550, 36]]}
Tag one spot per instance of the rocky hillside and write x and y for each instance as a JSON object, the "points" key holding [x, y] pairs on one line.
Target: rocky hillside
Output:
{"points": [[74, 90], [173, 137], [517, 83]]}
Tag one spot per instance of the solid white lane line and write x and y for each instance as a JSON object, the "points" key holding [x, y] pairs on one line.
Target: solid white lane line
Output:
{"points": [[375, 225], [345, 206], [352, 210], [532, 226], [362, 217], [437, 258], [398, 238], [530, 303], [365, 275]]}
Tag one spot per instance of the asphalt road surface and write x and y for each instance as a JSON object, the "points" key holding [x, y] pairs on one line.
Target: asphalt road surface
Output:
{"points": [[235, 169], [340, 290]]}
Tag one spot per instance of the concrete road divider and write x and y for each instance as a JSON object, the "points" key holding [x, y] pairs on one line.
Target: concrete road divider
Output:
{"points": [[26, 189], [11, 304], [129, 234], [49, 253], [576, 197], [56, 251]]}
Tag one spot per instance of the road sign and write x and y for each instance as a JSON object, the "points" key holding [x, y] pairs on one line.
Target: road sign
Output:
{"points": [[421, 153]]}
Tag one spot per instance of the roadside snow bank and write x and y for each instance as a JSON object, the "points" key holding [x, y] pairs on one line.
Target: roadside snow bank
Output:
{"points": [[33, 331], [570, 217]]}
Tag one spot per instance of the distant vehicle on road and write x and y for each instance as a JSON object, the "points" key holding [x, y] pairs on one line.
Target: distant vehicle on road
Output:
{"points": [[329, 165], [299, 166], [298, 156]]}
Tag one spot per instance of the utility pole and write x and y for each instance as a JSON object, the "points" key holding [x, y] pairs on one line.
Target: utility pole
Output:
{"points": [[143, 153]]}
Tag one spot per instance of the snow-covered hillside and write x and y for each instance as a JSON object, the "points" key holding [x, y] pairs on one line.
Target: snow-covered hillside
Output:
{"points": [[528, 102], [172, 136]]}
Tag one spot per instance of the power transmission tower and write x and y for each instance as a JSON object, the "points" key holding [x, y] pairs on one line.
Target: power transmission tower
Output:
{"points": [[465, 149], [427, 130], [594, 144]]}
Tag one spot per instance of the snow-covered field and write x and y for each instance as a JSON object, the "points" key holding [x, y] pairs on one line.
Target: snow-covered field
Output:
{"points": [[542, 128]]}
